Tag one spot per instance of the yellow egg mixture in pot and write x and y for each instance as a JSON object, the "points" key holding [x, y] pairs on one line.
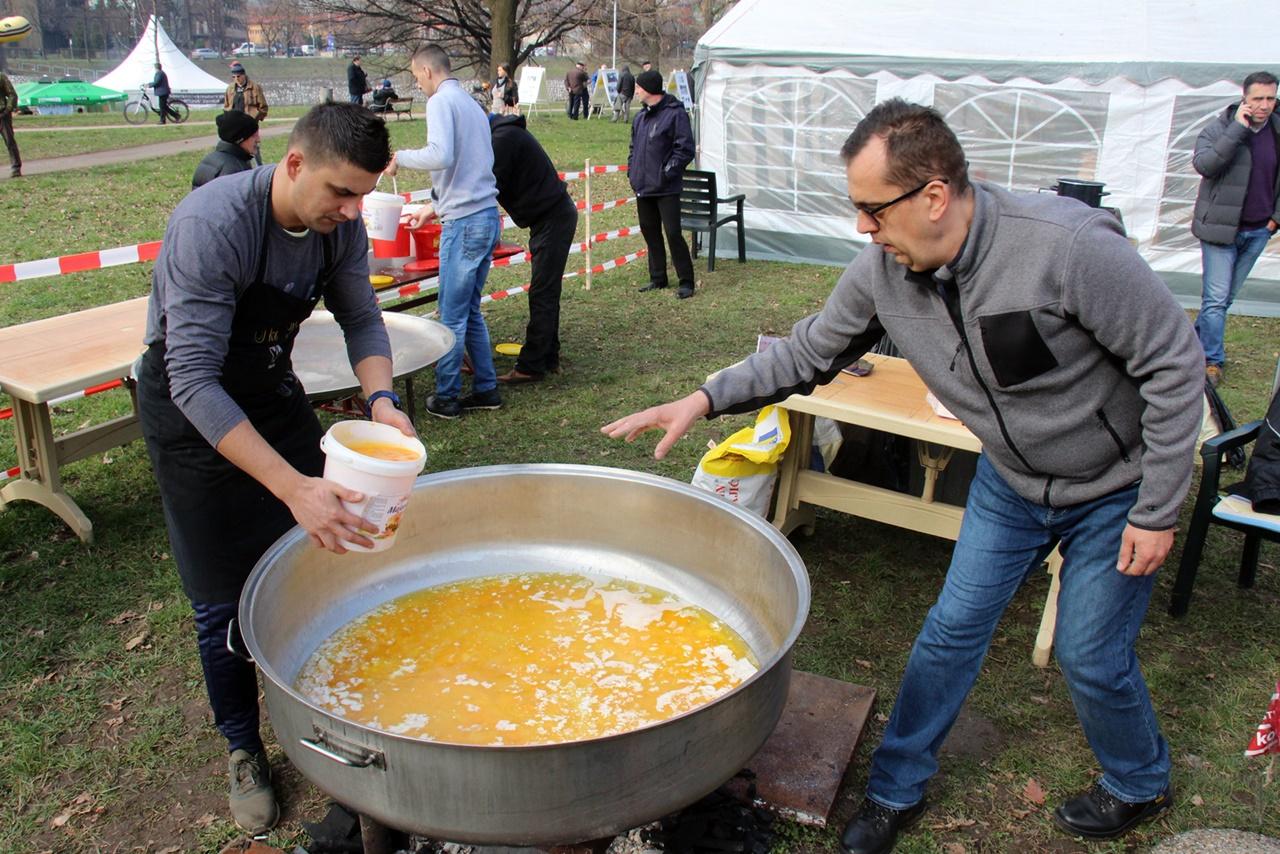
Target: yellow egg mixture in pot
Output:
{"points": [[532, 658]]}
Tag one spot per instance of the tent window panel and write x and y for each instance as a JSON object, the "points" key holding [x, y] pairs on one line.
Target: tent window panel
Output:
{"points": [[1025, 139], [783, 136]]}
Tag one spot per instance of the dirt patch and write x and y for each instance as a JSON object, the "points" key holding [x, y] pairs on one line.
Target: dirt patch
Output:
{"points": [[973, 737]]}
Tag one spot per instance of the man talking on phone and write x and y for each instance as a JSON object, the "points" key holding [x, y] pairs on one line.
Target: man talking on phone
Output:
{"points": [[1238, 207]]}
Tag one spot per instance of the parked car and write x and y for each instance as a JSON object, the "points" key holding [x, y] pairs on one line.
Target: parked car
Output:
{"points": [[308, 50], [205, 53], [249, 49]]}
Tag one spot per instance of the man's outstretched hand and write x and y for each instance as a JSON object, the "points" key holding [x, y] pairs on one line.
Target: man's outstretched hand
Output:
{"points": [[674, 419]]}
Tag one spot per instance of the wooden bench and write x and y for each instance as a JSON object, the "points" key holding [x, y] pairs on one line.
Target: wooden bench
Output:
{"points": [[399, 107]]}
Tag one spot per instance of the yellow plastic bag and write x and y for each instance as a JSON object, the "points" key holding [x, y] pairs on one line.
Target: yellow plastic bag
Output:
{"points": [[742, 468]]}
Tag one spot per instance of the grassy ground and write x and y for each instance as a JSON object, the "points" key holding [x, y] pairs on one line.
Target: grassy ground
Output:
{"points": [[103, 723]]}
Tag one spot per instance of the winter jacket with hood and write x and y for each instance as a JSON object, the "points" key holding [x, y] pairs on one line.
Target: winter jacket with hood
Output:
{"points": [[661, 146], [1223, 159], [227, 158], [529, 187]]}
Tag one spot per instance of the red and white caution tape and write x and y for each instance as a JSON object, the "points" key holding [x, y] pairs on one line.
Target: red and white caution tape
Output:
{"points": [[80, 262], [599, 268], [11, 473], [609, 265], [6, 414], [407, 290], [604, 206], [595, 170]]}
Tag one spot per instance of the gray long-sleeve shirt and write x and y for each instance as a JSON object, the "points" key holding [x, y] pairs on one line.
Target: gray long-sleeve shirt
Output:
{"points": [[208, 260], [1067, 356], [459, 154]]}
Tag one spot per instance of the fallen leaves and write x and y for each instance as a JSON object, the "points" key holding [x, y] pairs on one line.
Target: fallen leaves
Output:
{"points": [[123, 617], [1034, 792], [1197, 801], [137, 640], [82, 804]]}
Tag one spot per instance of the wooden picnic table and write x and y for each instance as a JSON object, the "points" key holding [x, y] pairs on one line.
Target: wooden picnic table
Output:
{"points": [[47, 359]]}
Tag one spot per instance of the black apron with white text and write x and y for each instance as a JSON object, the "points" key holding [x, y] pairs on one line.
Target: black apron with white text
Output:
{"points": [[221, 520]]}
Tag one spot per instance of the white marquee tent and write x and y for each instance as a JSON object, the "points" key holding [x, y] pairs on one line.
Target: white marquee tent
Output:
{"points": [[187, 80], [1095, 89]]}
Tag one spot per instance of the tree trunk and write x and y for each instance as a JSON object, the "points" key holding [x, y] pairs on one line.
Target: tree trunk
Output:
{"points": [[502, 16]]}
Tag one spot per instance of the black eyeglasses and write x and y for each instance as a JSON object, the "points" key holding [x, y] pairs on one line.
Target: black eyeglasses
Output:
{"points": [[872, 210]]}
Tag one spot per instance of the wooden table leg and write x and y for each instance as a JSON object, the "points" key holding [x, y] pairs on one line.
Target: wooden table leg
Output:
{"points": [[787, 513], [1049, 619], [934, 464], [40, 481]]}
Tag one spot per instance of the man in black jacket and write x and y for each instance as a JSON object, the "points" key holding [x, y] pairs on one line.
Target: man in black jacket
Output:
{"points": [[160, 83], [357, 81], [661, 146], [626, 91], [530, 190], [237, 138]]}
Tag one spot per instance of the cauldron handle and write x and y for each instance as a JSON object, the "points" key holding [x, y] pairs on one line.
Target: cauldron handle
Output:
{"points": [[368, 758], [239, 651]]}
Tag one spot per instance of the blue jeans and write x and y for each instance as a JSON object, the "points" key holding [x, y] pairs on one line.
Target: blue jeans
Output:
{"points": [[1224, 269], [466, 250], [1003, 539]]}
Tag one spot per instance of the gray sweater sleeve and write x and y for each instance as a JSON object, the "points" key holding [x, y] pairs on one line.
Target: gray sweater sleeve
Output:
{"points": [[199, 304], [818, 347], [1131, 313]]}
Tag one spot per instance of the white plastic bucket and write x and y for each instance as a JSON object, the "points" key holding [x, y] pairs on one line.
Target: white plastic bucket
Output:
{"points": [[381, 214], [386, 484]]}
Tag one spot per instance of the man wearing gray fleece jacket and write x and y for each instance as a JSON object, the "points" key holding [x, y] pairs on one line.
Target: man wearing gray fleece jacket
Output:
{"points": [[459, 155], [1032, 319]]}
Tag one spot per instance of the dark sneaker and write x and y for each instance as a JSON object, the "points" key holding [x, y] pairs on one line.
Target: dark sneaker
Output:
{"points": [[444, 407], [253, 801], [490, 399], [652, 286], [875, 828], [1098, 814], [684, 293]]}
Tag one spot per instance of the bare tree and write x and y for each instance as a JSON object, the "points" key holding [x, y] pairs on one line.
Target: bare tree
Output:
{"points": [[479, 34]]}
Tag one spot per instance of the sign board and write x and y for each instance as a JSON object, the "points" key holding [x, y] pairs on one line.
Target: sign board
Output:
{"points": [[605, 92], [680, 86], [530, 84]]}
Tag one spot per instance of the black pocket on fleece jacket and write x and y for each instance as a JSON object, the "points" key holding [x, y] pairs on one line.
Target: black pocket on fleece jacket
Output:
{"points": [[1014, 347]]}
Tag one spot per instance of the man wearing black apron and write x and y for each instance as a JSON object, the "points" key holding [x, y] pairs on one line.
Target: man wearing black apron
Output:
{"points": [[231, 435]]}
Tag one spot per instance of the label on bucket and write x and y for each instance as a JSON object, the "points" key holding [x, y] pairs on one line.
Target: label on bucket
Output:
{"points": [[381, 514]]}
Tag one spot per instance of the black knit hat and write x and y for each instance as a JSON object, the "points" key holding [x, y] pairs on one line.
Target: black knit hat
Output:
{"points": [[650, 81], [235, 127]]}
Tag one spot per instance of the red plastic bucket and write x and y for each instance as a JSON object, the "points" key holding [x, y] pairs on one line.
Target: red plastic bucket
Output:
{"points": [[398, 248], [426, 241]]}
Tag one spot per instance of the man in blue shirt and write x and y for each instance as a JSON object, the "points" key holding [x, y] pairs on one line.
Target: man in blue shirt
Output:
{"points": [[464, 193]]}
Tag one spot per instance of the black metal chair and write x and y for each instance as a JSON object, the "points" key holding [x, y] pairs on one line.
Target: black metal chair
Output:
{"points": [[1208, 512], [700, 211]]}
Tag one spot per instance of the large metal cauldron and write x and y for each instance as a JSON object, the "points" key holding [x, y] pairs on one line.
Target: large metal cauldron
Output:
{"points": [[486, 521]]}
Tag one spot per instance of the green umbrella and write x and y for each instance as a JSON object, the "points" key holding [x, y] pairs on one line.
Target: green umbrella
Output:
{"points": [[65, 92]]}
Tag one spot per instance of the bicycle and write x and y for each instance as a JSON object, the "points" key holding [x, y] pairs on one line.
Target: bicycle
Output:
{"points": [[136, 112]]}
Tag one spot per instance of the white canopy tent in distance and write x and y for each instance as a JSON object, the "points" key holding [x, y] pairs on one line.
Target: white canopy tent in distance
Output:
{"points": [[187, 80]]}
